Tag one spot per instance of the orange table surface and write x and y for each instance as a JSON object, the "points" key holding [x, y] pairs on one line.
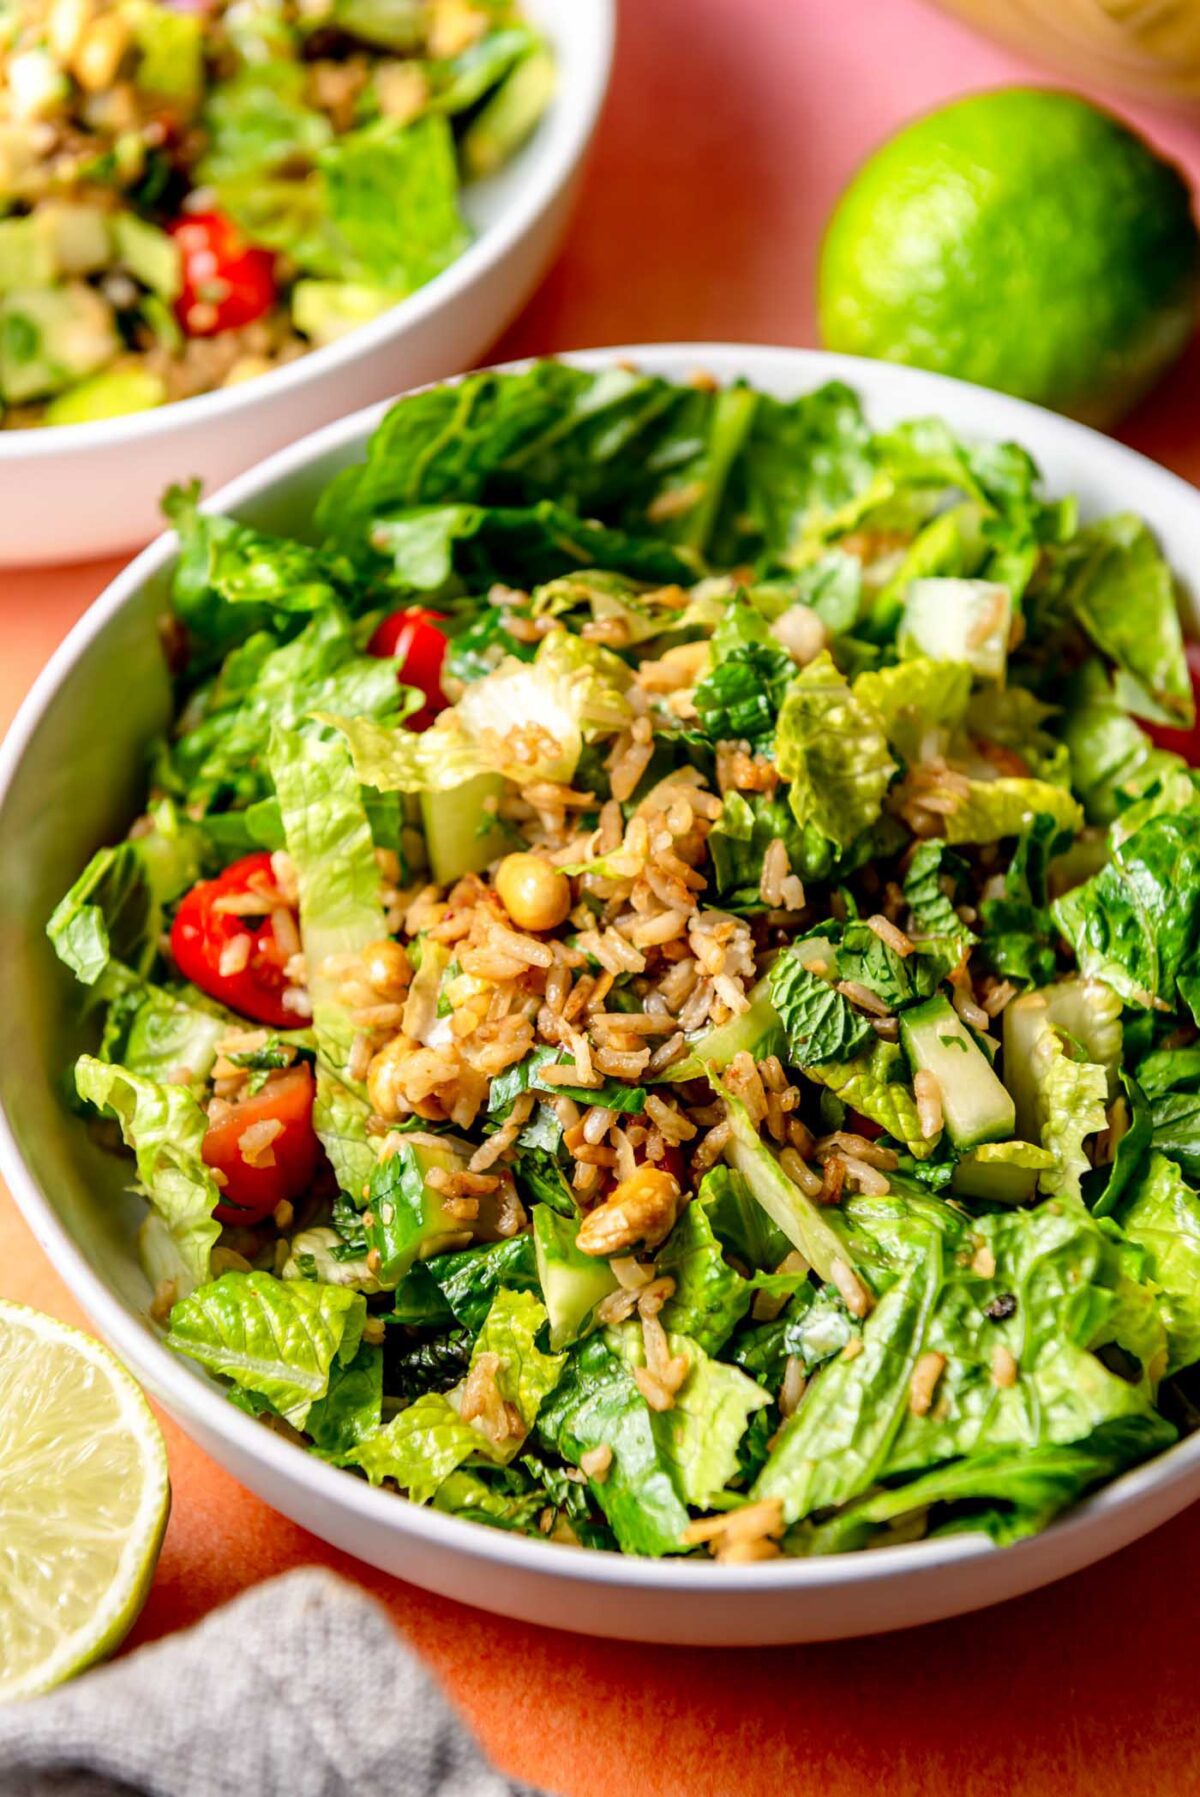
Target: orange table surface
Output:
{"points": [[731, 126]]}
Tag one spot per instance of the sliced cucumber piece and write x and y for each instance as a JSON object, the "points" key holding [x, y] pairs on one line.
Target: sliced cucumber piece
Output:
{"points": [[757, 1031], [806, 1226], [958, 620], [573, 1283], [406, 1219], [503, 123], [975, 1105], [1001, 1172], [150, 256], [109, 394], [458, 834], [77, 237], [25, 258], [51, 337], [1086, 1010], [326, 310]]}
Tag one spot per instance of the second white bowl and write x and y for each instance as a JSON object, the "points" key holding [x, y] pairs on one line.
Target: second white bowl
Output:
{"points": [[82, 490]]}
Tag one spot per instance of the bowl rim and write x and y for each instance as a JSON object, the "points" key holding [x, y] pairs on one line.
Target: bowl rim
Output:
{"points": [[565, 135], [188, 1395]]}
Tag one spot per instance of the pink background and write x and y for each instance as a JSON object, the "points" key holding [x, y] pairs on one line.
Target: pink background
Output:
{"points": [[731, 127]]}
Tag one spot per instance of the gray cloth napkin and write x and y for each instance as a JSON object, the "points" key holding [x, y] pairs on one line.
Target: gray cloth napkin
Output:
{"points": [[301, 1687]]}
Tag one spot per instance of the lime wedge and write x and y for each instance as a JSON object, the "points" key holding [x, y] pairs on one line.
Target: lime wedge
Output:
{"points": [[84, 1497]]}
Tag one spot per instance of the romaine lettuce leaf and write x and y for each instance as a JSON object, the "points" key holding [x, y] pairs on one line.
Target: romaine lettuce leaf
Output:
{"points": [[700, 1433], [116, 910], [992, 809], [526, 1376], [1045, 1286], [833, 750], [1023, 1488], [220, 755], [814, 1327], [737, 842], [160, 1032], [690, 501], [278, 1339], [454, 547], [1017, 930], [428, 1440], [517, 438], [1113, 761], [1162, 1216], [329, 841], [352, 1407], [165, 1127], [740, 1224], [487, 731], [915, 697], [837, 1443], [1123, 594], [806, 1226], [472, 1278], [875, 1082], [710, 1297], [1071, 1101], [255, 119], [803, 460], [392, 196], [419, 1448], [597, 1404], [1136, 924], [231, 580]]}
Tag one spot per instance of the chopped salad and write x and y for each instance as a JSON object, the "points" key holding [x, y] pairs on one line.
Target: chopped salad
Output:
{"points": [[192, 194], [653, 1001]]}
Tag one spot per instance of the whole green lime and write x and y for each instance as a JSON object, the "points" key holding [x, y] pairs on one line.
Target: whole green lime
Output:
{"points": [[1020, 238]]}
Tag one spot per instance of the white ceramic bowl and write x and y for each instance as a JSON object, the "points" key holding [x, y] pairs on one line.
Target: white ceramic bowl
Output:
{"points": [[70, 775], [92, 489]]}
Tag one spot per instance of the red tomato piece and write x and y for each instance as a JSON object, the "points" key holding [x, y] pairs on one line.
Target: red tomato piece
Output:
{"points": [[863, 1126], [413, 637], [233, 957], [258, 1179], [226, 282], [1182, 742]]}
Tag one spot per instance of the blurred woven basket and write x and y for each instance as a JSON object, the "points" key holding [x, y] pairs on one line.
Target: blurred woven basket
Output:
{"points": [[1150, 48]]}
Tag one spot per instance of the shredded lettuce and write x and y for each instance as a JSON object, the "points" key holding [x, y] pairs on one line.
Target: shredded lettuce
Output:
{"points": [[164, 1126], [329, 840], [833, 752], [1136, 924], [1162, 1216], [116, 910], [278, 1340]]}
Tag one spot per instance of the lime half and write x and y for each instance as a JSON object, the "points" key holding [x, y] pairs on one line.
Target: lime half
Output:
{"points": [[84, 1497]]}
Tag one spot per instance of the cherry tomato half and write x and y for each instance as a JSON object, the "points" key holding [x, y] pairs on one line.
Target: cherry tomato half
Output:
{"points": [[285, 1168], [226, 282], [203, 936], [1182, 742], [413, 637]]}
